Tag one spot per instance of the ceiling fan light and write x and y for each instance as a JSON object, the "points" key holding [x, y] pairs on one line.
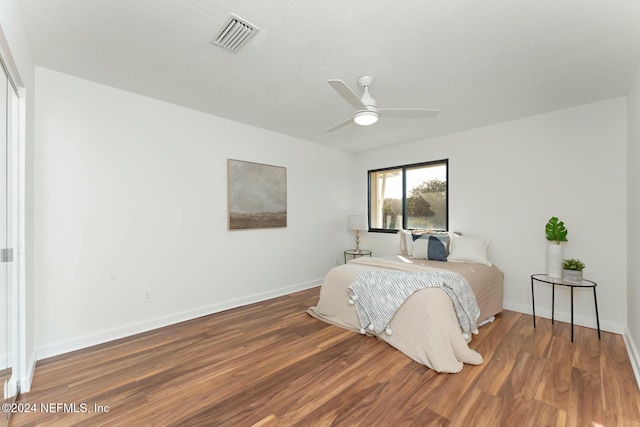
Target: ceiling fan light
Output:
{"points": [[366, 118]]}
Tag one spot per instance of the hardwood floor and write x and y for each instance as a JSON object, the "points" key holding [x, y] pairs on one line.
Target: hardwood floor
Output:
{"points": [[271, 364]]}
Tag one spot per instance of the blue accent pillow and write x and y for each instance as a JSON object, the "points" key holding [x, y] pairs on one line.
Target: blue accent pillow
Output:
{"points": [[436, 250]]}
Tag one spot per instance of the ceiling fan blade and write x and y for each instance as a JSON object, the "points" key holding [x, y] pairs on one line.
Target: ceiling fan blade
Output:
{"points": [[341, 125], [415, 113], [349, 95]]}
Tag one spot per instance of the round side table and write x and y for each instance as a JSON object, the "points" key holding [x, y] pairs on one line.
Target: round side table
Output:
{"points": [[356, 253], [543, 278]]}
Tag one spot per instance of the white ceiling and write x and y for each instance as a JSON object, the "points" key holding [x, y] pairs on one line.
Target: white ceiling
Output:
{"points": [[479, 62]]}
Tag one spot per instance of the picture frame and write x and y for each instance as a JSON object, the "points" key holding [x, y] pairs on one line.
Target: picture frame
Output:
{"points": [[257, 195]]}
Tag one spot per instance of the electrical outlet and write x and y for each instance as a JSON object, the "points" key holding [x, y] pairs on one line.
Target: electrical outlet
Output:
{"points": [[147, 295]]}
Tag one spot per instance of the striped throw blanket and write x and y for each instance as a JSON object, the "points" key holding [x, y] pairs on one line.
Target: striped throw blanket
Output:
{"points": [[378, 294]]}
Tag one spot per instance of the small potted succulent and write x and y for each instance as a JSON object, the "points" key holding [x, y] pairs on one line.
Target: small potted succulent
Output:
{"points": [[572, 270]]}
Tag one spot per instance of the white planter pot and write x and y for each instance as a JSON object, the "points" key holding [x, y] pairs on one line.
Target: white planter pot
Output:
{"points": [[571, 276], [555, 256]]}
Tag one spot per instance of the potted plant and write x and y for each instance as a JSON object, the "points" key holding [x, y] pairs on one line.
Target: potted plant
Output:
{"points": [[556, 233], [572, 270]]}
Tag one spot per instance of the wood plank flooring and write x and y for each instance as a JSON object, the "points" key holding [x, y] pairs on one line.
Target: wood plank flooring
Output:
{"points": [[271, 364]]}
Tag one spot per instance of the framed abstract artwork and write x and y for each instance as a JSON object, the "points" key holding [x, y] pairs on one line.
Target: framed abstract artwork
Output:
{"points": [[257, 195]]}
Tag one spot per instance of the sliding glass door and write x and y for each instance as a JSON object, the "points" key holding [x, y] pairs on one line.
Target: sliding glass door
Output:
{"points": [[8, 295], [5, 306]]}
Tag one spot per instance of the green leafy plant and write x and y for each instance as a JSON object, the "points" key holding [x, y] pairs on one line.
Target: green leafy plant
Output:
{"points": [[556, 231], [573, 264]]}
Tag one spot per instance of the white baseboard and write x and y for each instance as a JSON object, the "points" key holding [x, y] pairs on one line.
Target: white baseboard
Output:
{"points": [[587, 322], [27, 377], [10, 387], [21, 379], [634, 356], [147, 325]]}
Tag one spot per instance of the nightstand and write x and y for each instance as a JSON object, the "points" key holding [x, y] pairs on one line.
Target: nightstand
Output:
{"points": [[356, 254]]}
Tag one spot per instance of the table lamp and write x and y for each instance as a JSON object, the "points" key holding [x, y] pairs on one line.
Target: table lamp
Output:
{"points": [[357, 223]]}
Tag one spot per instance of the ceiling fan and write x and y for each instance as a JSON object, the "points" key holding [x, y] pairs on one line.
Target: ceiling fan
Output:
{"points": [[367, 111]]}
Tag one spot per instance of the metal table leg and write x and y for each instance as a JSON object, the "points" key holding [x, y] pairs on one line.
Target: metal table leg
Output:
{"points": [[571, 313], [533, 303], [595, 301], [553, 300]]}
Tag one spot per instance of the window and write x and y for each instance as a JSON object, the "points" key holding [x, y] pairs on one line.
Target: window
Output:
{"points": [[409, 197]]}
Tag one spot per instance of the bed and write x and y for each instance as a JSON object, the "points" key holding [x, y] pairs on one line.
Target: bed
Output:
{"points": [[425, 327]]}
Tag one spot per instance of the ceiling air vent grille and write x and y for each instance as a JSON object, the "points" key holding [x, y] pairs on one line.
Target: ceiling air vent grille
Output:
{"points": [[234, 33]]}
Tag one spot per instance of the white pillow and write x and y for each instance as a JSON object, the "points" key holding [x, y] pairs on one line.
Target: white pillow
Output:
{"points": [[406, 242], [420, 249], [469, 249]]}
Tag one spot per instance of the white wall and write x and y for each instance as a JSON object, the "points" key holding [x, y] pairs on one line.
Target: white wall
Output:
{"points": [[132, 195], [507, 180], [633, 224], [15, 49]]}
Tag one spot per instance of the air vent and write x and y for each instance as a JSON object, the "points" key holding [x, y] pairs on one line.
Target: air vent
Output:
{"points": [[234, 33]]}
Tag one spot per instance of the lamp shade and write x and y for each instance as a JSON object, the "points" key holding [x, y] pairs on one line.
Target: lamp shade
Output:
{"points": [[358, 222]]}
